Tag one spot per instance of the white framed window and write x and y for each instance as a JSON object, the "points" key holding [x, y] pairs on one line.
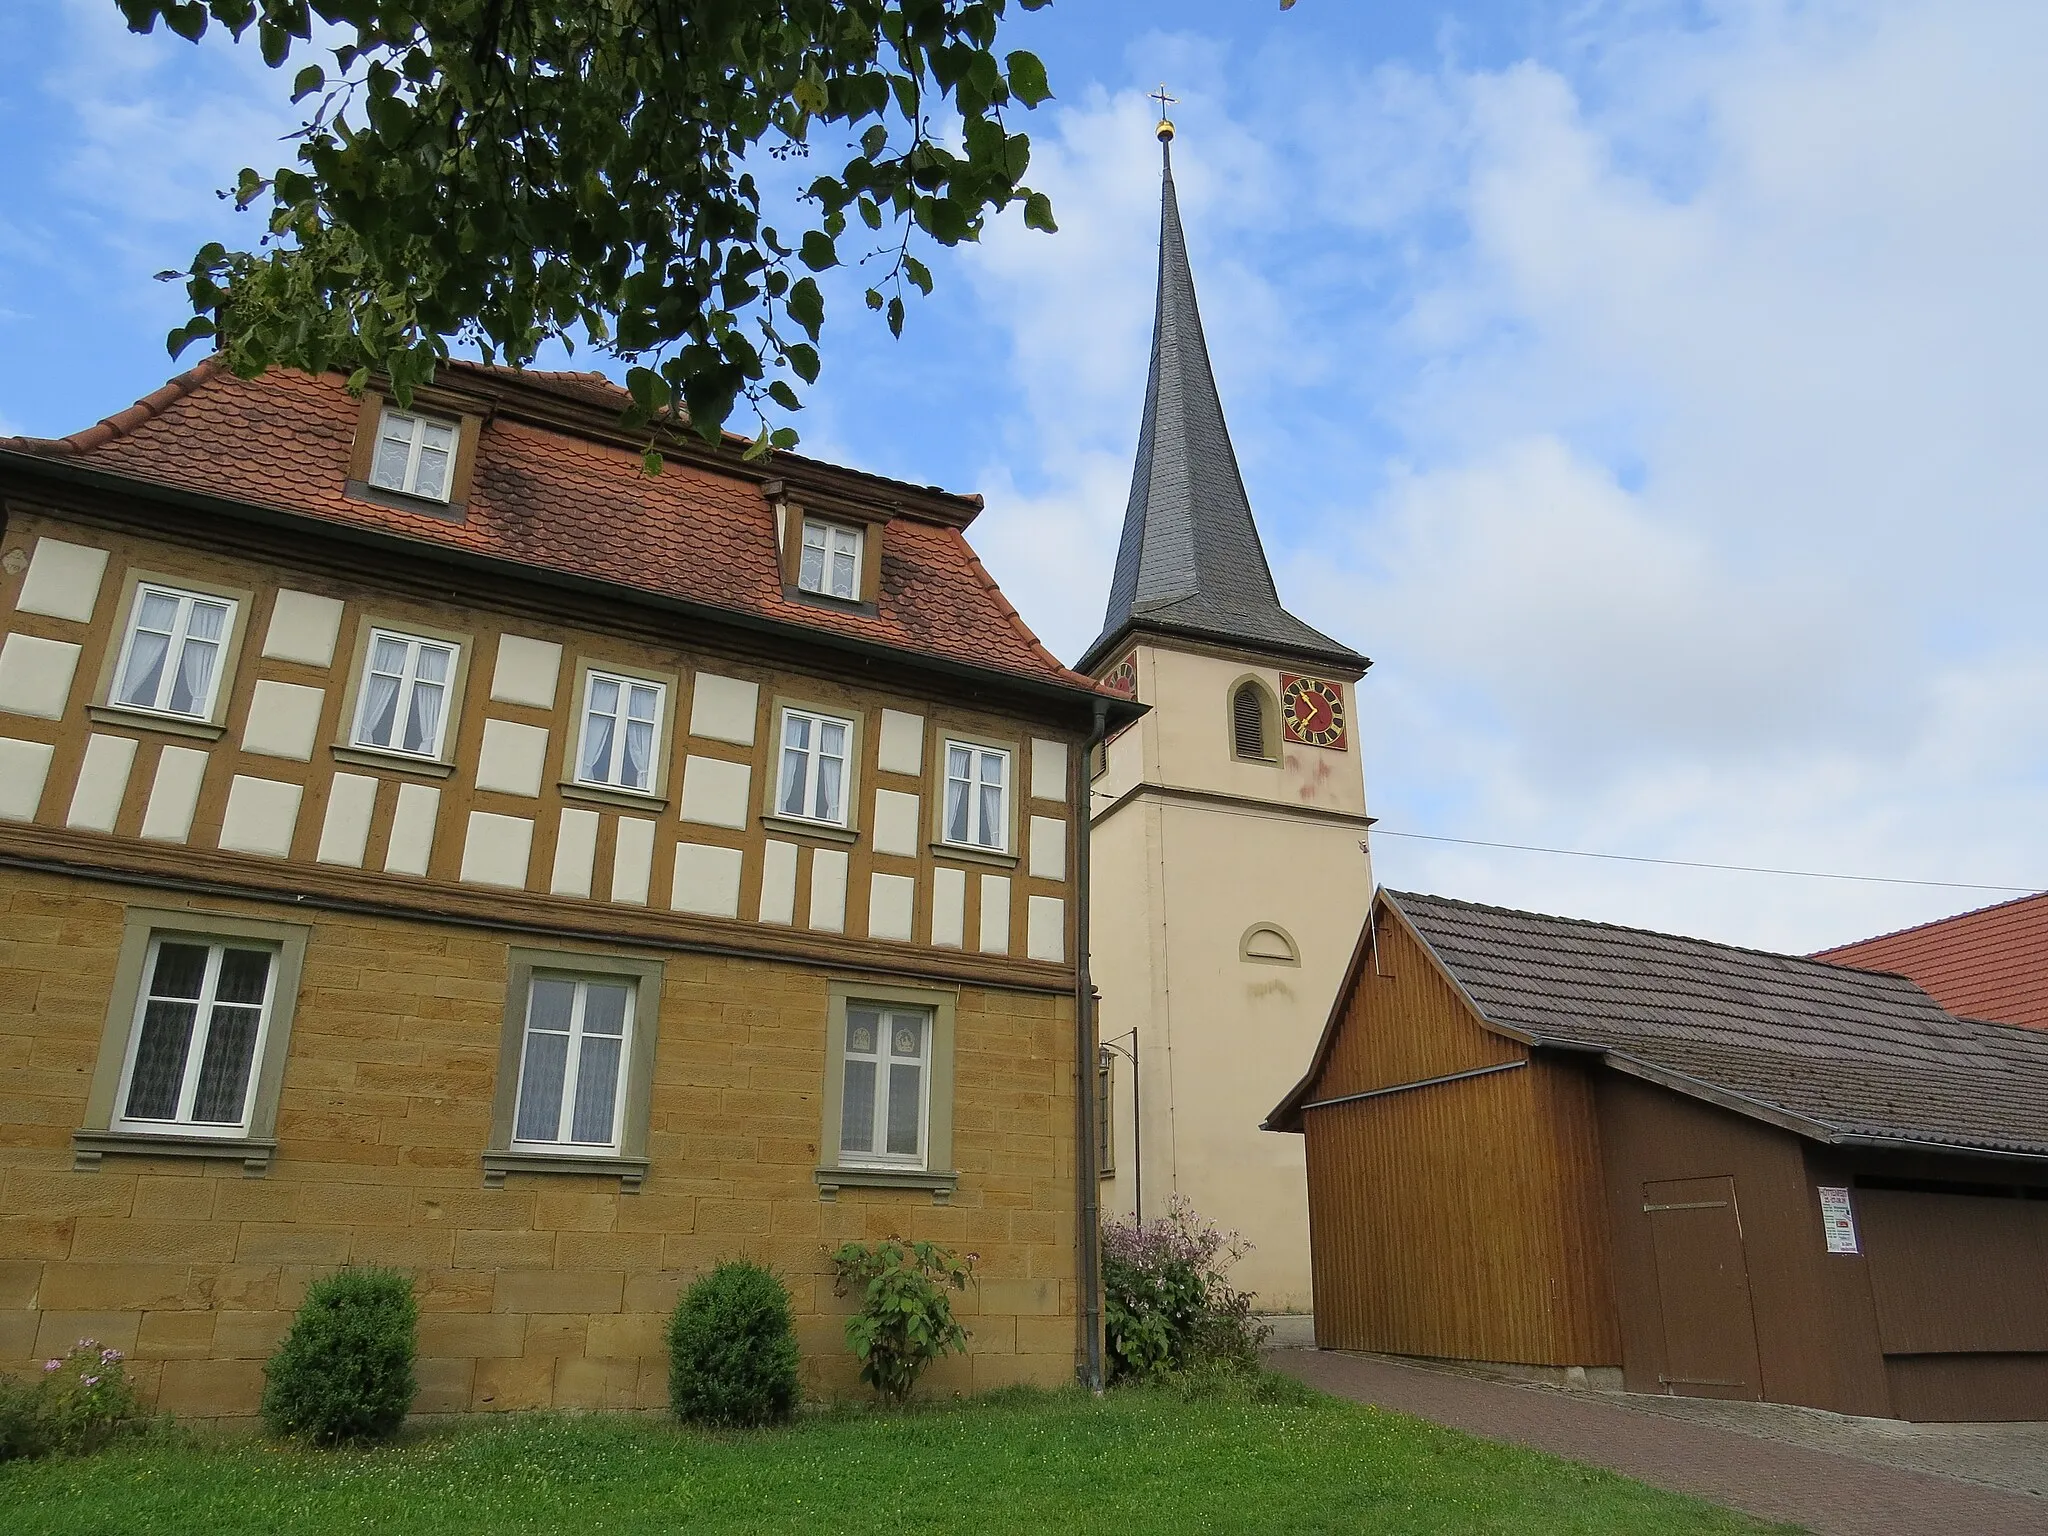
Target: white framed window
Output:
{"points": [[171, 656], [415, 454], [812, 786], [829, 562], [572, 1062], [885, 1098], [200, 1019], [404, 702], [621, 725], [977, 796]]}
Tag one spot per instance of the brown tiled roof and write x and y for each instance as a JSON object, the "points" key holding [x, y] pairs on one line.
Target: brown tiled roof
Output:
{"points": [[545, 495], [1987, 964], [1835, 1054]]}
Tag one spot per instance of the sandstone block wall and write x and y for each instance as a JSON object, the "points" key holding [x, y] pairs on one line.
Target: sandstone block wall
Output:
{"points": [[553, 1290]]}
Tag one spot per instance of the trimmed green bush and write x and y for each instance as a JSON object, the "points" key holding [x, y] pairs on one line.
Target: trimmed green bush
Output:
{"points": [[732, 1356], [343, 1375]]}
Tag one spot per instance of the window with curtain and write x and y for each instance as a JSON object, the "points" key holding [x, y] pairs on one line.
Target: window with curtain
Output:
{"points": [[1248, 723], [621, 724], [829, 563], [415, 455], [977, 796], [171, 656], [883, 1107], [198, 1034], [572, 1062], [812, 786], [404, 699]]}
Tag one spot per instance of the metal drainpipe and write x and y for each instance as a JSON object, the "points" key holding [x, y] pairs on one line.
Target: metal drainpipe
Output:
{"points": [[1089, 1257]]}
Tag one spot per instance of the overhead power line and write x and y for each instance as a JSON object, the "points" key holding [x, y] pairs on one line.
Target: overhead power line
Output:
{"points": [[1741, 869]]}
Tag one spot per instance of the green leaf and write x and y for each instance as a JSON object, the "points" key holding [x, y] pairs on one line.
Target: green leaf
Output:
{"points": [[895, 317], [309, 80], [817, 251], [1027, 78], [780, 392], [1038, 213], [806, 306]]}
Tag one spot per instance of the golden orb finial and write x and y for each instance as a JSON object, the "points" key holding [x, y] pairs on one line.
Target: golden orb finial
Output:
{"points": [[1165, 128]]}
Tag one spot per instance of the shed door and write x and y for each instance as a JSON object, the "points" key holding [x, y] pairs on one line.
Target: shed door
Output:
{"points": [[1703, 1289]]}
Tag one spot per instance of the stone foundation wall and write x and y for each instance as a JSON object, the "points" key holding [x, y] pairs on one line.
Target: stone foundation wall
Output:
{"points": [[553, 1290]]}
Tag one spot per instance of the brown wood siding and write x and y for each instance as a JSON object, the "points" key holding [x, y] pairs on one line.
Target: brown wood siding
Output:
{"points": [[1816, 1331], [1460, 1220], [1404, 1022], [1956, 1273], [1968, 1389]]}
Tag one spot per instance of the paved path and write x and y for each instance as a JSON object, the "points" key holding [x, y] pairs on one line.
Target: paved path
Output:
{"points": [[1828, 1493]]}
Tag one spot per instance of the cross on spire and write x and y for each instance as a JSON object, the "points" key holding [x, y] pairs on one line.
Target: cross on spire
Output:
{"points": [[1165, 129]]}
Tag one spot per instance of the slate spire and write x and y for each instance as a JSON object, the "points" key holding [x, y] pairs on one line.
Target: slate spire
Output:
{"points": [[1190, 562]]}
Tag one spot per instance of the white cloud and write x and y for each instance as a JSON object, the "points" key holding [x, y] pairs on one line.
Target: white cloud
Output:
{"points": [[1661, 412]]}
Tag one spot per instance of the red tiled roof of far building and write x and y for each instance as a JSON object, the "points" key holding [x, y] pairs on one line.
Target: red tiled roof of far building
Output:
{"points": [[547, 497], [1988, 964]]}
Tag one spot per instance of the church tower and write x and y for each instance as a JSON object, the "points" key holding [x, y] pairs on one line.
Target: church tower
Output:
{"points": [[1229, 876]]}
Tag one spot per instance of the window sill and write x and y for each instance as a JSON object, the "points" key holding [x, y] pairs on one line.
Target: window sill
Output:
{"points": [[829, 603], [940, 1183], [824, 831], [601, 794], [405, 501], [629, 1171], [373, 757], [148, 720], [974, 855], [253, 1153]]}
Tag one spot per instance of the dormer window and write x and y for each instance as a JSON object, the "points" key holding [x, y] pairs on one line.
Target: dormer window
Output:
{"points": [[415, 455], [829, 563]]}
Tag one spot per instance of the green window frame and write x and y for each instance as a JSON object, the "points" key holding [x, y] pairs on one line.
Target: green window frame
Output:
{"points": [[933, 1170]]}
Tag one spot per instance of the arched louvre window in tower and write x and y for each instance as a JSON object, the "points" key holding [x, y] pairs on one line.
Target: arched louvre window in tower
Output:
{"points": [[1249, 736]]}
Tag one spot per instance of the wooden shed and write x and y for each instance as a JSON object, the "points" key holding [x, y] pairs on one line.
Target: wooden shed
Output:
{"points": [[1544, 1142]]}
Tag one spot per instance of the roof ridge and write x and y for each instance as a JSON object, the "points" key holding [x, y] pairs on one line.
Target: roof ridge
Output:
{"points": [[122, 423], [1652, 933], [1935, 922]]}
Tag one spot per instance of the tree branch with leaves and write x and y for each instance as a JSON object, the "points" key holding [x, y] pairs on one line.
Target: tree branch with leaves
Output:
{"points": [[503, 173]]}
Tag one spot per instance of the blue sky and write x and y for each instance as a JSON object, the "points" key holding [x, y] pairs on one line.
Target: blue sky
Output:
{"points": [[1652, 390]]}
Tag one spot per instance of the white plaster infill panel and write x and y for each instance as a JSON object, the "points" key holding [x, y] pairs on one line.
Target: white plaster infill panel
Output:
{"points": [[949, 907], [900, 747], [284, 720], [102, 781], [513, 758], [575, 853], [778, 882], [261, 816], [497, 849], [1048, 848], [35, 676], [895, 823], [345, 831], [303, 628], [1048, 769], [63, 580], [995, 915], [722, 708], [24, 765], [828, 890], [412, 829], [526, 672], [715, 792], [707, 880], [173, 794], [632, 860], [892, 899], [1045, 928]]}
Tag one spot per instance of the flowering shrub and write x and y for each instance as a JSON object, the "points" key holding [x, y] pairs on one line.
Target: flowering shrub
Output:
{"points": [[1166, 1304], [905, 1321], [79, 1403]]}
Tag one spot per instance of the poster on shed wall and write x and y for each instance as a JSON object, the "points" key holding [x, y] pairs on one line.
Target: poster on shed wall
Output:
{"points": [[1838, 1220]]}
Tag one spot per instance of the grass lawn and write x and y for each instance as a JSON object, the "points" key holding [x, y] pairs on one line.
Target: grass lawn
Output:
{"points": [[1133, 1462]]}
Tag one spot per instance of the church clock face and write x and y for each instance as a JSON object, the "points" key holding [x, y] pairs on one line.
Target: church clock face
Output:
{"points": [[1313, 712]]}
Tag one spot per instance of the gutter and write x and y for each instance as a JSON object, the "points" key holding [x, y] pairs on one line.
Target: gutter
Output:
{"points": [[1088, 1230], [499, 569]]}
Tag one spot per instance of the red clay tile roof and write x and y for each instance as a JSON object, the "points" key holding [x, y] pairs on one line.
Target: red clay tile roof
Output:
{"points": [[1987, 964], [547, 497]]}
